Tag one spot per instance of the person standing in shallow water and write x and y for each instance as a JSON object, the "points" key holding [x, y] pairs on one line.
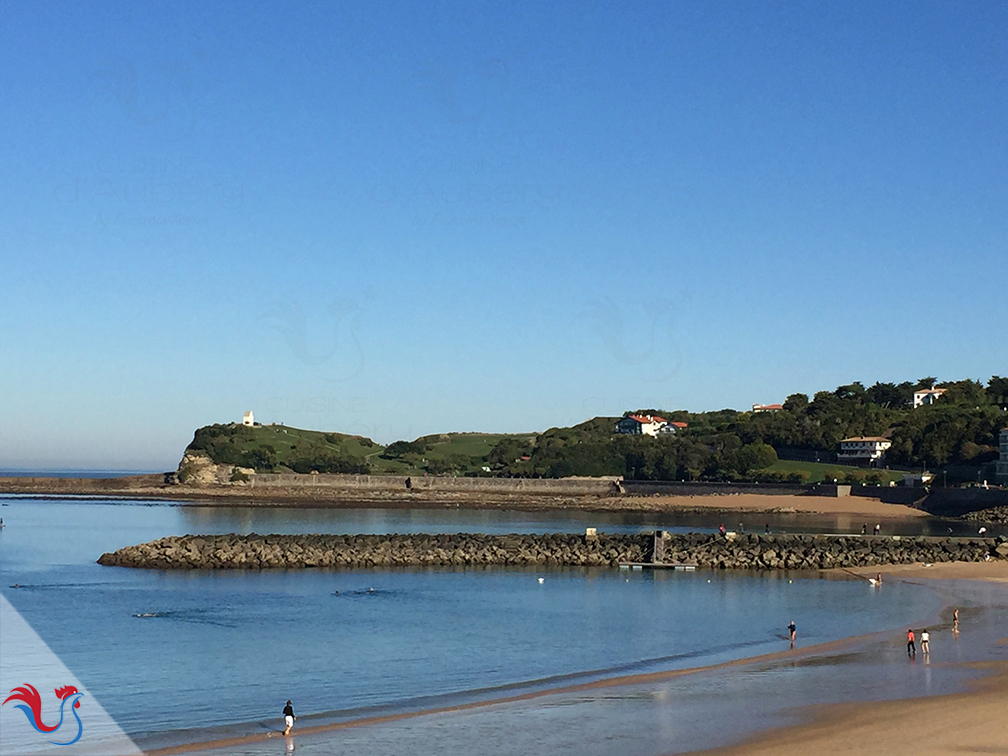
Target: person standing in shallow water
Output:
{"points": [[793, 631], [289, 718], [911, 649]]}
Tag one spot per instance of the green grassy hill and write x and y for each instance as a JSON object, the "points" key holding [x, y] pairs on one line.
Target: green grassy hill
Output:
{"points": [[277, 448], [817, 472], [445, 453], [269, 448]]}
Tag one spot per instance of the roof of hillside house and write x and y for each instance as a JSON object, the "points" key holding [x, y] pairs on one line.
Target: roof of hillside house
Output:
{"points": [[865, 438], [768, 406], [679, 424], [647, 418], [930, 391]]}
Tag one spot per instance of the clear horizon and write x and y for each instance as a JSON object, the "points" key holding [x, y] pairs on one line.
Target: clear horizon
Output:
{"points": [[403, 219]]}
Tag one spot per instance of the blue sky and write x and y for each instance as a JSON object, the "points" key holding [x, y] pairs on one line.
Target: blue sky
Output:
{"points": [[395, 219]]}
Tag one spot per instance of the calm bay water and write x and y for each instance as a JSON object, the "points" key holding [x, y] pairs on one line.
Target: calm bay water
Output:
{"points": [[208, 649]]}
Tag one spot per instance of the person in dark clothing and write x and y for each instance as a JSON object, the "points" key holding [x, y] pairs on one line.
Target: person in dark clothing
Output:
{"points": [[793, 631], [289, 718]]}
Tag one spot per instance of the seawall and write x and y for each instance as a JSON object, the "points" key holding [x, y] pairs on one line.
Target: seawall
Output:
{"points": [[569, 486], [744, 551]]}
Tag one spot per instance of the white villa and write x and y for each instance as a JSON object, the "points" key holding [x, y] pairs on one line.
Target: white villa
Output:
{"points": [[927, 396], [247, 419], [648, 425], [863, 449]]}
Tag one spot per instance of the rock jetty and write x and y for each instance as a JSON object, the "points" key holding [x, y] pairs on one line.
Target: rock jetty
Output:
{"points": [[743, 551]]}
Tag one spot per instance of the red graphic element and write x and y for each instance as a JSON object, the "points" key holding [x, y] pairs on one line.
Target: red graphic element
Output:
{"points": [[30, 696], [65, 691]]}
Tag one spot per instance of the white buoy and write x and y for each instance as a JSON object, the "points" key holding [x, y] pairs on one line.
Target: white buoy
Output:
{"points": [[542, 580]]}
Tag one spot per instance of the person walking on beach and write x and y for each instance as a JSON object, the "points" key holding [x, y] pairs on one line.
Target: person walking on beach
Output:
{"points": [[793, 632], [911, 649], [288, 714], [878, 528], [864, 529], [722, 529], [955, 621], [925, 642]]}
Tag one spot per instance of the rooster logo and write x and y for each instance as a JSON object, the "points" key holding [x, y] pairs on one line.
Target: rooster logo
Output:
{"points": [[32, 708]]}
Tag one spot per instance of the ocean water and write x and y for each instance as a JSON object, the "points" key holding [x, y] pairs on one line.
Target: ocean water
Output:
{"points": [[198, 651]]}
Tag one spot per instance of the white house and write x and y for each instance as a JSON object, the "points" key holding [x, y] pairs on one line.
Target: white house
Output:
{"points": [[247, 419], [927, 396], [863, 449], [1002, 463], [648, 425], [671, 427], [767, 407]]}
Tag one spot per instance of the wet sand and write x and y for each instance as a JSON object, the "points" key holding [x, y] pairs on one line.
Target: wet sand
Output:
{"points": [[996, 571], [827, 505], [970, 722]]}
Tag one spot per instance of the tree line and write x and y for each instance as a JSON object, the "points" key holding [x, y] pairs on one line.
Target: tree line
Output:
{"points": [[960, 428]]}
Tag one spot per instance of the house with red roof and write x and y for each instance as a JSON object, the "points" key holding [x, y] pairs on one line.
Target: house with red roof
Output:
{"points": [[767, 407]]}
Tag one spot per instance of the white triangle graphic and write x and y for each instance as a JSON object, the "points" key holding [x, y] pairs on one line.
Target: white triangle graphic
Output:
{"points": [[25, 659]]}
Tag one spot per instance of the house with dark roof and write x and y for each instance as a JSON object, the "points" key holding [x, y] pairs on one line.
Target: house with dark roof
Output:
{"points": [[647, 425]]}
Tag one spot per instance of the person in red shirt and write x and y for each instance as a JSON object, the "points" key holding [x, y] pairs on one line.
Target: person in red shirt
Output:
{"points": [[911, 649]]}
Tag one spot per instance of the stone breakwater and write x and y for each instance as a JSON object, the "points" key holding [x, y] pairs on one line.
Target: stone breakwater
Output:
{"points": [[745, 551]]}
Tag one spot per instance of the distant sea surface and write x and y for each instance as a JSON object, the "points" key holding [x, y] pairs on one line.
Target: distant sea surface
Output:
{"points": [[197, 650], [17, 472]]}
